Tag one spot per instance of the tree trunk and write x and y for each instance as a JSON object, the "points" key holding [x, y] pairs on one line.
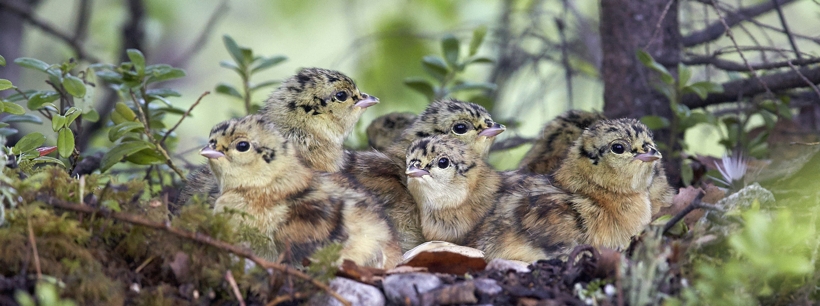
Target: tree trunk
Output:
{"points": [[626, 27]]}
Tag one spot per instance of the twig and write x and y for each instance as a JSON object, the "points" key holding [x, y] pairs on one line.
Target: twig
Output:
{"points": [[786, 28], [187, 113], [509, 143], [202, 39], [194, 236], [715, 30], [34, 248], [144, 264], [696, 203], [734, 42], [81, 26], [285, 298], [658, 25], [232, 282], [48, 28], [747, 87], [804, 78], [147, 131], [727, 65]]}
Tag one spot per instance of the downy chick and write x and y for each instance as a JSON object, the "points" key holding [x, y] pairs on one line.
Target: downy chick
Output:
{"points": [[382, 173], [259, 173], [315, 110], [383, 131], [600, 197], [558, 135]]}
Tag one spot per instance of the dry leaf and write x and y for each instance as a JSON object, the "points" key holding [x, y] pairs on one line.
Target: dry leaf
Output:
{"points": [[445, 257]]}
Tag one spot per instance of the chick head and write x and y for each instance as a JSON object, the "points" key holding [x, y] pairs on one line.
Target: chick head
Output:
{"points": [[325, 102], [247, 151], [618, 155], [441, 169], [468, 122]]}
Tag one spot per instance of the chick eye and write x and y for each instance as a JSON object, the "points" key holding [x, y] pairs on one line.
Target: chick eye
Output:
{"points": [[443, 163], [243, 146], [618, 148], [460, 128], [341, 96]]}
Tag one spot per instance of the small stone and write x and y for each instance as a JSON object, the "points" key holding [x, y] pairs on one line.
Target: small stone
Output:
{"points": [[401, 288], [504, 265], [487, 286], [354, 292]]}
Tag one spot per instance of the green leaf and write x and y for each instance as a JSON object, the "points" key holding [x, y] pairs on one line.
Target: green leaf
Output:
{"points": [[264, 84], [479, 60], [22, 118], [6, 84], [269, 62], [32, 63], [228, 90], [138, 59], [704, 88], [232, 66], [112, 205], [91, 115], [247, 56], [58, 122], [110, 76], [650, 63], [474, 85], [24, 299], [74, 86], [478, 38], [71, 114], [682, 111], [121, 129], [29, 142], [449, 44], [233, 50], [2, 61], [48, 159], [164, 72], [694, 119], [121, 150], [435, 66], [422, 86], [65, 142], [13, 108], [655, 122], [125, 112], [146, 157], [684, 73], [39, 99], [6, 132], [163, 92]]}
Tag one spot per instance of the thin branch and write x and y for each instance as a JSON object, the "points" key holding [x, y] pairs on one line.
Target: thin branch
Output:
{"points": [[147, 131], [187, 113], [232, 282], [509, 143], [734, 42], [658, 25], [716, 30], [805, 79], [203, 37], [83, 17], [748, 87], [28, 15], [194, 236], [695, 204], [34, 248], [727, 65], [786, 28]]}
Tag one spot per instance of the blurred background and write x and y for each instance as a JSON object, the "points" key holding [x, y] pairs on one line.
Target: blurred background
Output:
{"points": [[379, 44]]}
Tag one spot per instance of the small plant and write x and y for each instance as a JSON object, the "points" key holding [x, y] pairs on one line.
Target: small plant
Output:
{"points": [[246, 65], [447, 70], [45, 294]]}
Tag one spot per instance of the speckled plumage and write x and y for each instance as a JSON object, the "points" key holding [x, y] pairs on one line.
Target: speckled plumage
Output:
{"points": [[307, 111], [383, 131], [383, 172], [558, 135], [259, 173]]}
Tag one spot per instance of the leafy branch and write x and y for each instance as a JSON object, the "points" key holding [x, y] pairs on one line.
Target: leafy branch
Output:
{"points": [[246, 65]]}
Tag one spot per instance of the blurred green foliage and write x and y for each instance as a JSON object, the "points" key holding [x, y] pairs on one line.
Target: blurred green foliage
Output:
{"points": [[246, 64]]}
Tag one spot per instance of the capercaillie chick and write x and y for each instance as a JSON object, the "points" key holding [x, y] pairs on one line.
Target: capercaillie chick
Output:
{"points": [[259, 172], [383, 131], [600, 196], [315, 110], [383, 173], [559, 134]]}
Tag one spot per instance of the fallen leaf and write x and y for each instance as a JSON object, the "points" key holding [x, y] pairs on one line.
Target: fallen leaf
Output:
{"points": [[367, 275], [452, 259], [180, 265]]}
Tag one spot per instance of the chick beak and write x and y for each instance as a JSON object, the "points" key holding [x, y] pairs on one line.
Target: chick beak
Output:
{"points": [[496, 129], [652, 155], [210, 153], [366, 101], [413, 171]]}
